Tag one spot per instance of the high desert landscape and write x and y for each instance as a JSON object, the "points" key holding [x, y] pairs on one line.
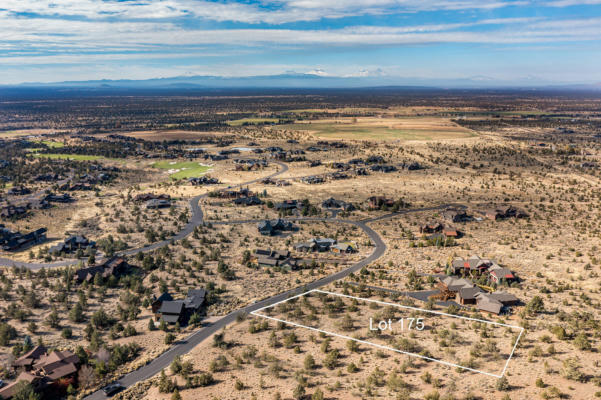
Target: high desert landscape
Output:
{"points": [[300, 200], [426, 246]]}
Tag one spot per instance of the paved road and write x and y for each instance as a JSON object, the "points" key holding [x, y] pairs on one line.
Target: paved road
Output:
{"points": [[185, 346], [199, 336], [196, 219]]}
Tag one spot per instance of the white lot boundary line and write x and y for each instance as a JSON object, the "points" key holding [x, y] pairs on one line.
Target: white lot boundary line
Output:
{"points": [[256, 312]]}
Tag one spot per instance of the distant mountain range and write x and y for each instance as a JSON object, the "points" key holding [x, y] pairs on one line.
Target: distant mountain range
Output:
{"points": [[307, 81]]}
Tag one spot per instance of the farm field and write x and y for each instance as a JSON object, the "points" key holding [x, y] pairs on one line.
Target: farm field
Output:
{"points": [[373, 128], [251, 121]]}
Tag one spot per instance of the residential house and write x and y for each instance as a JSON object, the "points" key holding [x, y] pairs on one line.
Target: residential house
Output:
{"points": [[114, 266], [144, 197], [248, 201], [431, 227], [377, 202], [453, 284], [450, 231], [275, 258], [11, 211], [345, 247], [158, 302], [26, 360], [249, 164], [42, 369], [38, 382], [235, 194], [504, 212], [473, 264], [274, 227], [157, 203], [18, 191], [383, 168], [313, 179], [315, 244], [275, 254], [478, 266], [495, 302], [287, 205], [498, 275], [72, 244], [337, 204], [203, 180], [467, 295], [173, 311], [11, 241], [59, 198], [455, 215]]}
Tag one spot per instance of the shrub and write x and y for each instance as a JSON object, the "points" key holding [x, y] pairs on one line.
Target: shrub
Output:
{"points": [[169, 338], [317, 395], [309, 362], [536, 305], [502, 384], [581, 342]]}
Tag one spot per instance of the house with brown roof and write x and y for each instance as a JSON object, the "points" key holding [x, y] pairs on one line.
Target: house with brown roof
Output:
{"points": [[114, 266], [495, 302], [42, 369], [467, 295], [473, 265], [36, 381], [57, 365], [377, 202], [504, 212], [455, 215], [26, 360], [431, 227], [453, 284]]}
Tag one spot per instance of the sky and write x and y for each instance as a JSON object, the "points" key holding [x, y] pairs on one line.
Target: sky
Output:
{"points": [[516, 41]]}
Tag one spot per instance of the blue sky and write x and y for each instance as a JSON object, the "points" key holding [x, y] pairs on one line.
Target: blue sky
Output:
{"points": [[517, 41]]}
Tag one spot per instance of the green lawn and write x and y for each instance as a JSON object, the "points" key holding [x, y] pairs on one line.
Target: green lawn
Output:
{"points": [[251, 121], [182, 170], [50, 143], [77, 157]]}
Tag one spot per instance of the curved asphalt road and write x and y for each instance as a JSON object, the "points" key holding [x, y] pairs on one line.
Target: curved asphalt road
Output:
{"points": [[195, 220], [184, 346]]}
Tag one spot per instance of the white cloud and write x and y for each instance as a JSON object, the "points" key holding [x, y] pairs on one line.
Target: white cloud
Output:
{"points": [[54, 34], [568, 3], [272, 12]]}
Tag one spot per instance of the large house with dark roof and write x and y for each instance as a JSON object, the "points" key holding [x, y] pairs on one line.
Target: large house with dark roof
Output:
{"points": [[72, 244], [114, 266], [174, 311], [273, 227]]}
